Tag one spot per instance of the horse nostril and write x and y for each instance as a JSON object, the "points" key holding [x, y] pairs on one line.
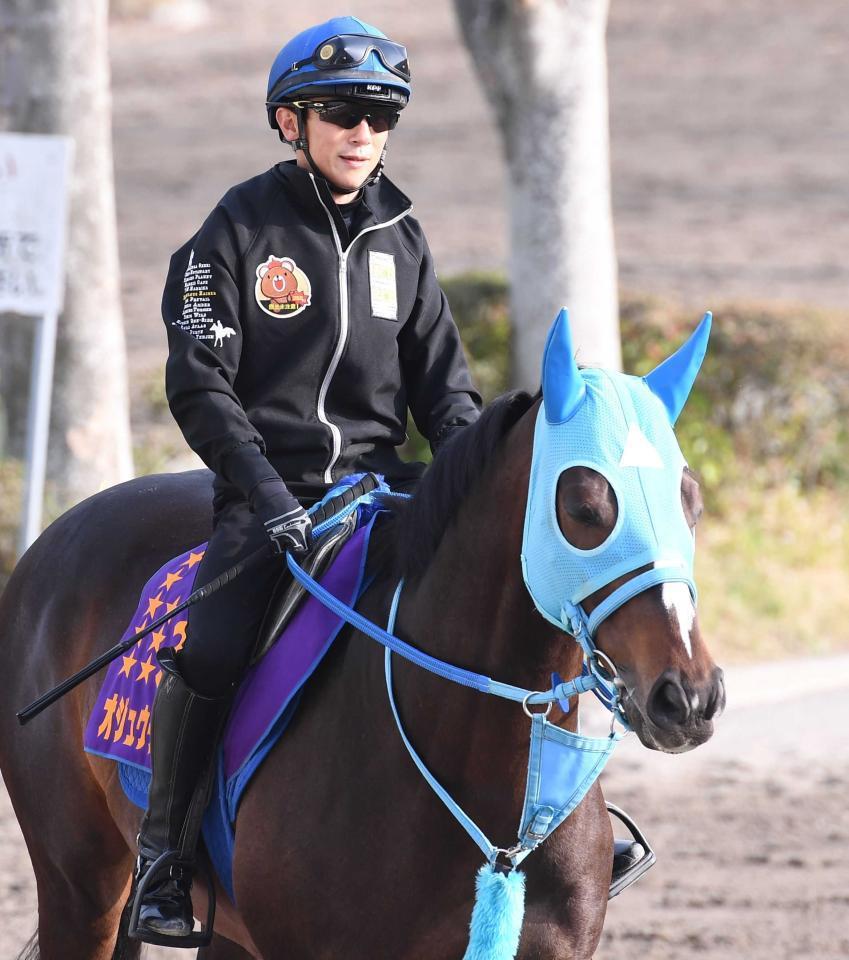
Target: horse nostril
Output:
{"points": [[716, 699], [668, 706]]}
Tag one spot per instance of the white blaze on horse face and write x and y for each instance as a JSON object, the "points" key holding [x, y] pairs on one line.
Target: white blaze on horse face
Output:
{"points": [[679, 604]]}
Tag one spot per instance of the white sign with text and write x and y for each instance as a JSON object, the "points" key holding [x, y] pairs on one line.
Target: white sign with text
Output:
{"points": [[34, 177]]}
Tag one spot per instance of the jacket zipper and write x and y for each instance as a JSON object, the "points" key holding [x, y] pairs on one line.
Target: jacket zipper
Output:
{"points": [[321, 412]]}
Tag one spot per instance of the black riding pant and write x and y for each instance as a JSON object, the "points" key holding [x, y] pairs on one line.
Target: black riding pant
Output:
{"points": [[223, 628]]}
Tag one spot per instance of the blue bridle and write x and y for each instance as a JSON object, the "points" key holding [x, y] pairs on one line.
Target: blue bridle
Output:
{"points": [[621, 427]]}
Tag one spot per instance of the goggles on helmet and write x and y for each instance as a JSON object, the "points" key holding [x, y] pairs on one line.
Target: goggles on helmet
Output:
{"points": [[348, 114], [349, 50]]}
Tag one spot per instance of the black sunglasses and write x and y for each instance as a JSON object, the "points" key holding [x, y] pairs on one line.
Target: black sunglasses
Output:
{"points": [[349, 49], [348, 115]]}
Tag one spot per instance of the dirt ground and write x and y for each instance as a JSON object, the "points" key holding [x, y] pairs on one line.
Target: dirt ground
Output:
{"points": [[748, 867], [751, 831]]}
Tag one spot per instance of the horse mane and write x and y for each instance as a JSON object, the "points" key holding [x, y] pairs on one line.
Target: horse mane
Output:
{"points": [[416, 526]]}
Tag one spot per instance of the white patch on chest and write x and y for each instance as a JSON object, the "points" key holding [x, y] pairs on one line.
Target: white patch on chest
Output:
{"points": [[679, 604]]}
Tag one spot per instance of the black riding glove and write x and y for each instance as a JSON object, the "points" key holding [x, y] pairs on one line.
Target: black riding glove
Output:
{"points": [[286, 522]]}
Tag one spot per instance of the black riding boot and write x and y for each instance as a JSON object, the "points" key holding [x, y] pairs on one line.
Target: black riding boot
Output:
{"points": [[184, 735]]}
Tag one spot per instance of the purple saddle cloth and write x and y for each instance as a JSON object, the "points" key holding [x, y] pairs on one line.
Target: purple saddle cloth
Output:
{"points": [[119, 725]]}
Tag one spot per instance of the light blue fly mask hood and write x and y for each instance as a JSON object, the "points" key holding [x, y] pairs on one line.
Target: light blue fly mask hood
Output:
{"points": [[620, 426]]}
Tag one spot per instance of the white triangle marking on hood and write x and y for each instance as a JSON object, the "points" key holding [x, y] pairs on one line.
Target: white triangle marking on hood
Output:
{"points": [[639, 451]]}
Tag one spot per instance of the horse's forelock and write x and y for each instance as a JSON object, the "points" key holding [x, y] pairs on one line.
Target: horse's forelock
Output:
{"points": [[417, 525]]}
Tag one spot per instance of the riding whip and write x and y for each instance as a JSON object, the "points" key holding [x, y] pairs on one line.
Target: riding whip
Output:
{"points": [[318, 516]]}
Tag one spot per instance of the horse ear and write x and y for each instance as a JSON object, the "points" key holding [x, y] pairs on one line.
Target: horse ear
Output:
{"points": [[562, 384], [673, 379]]}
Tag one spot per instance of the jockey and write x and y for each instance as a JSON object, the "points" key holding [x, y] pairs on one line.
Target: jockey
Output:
{"points": [[304, 318]]}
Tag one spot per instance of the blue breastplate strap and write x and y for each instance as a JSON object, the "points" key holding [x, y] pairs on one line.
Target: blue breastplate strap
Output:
{"points": [[562, 766]]}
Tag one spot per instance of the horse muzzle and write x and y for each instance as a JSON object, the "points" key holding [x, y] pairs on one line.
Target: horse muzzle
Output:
{"points": [[678, 714]]}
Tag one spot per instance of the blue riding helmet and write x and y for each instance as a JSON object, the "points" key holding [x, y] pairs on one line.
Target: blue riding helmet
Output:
{"points": [[343, 58]]}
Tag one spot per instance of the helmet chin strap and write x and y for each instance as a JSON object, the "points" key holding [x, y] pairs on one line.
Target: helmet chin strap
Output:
{"points": [[301, 144]]}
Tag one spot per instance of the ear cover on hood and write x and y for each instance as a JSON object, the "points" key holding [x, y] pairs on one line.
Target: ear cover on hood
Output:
{"points": [[562, 384], [673, 379]]}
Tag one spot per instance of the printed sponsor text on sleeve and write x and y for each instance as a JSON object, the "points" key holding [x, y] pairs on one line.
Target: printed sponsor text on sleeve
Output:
{"points": [[198, 297]]}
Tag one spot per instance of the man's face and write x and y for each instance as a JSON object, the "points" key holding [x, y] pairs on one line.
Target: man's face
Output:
{"points": [[346, 157]]}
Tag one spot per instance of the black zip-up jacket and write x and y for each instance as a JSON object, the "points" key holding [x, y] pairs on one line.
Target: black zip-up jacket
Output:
{"points": [[296, 349]]}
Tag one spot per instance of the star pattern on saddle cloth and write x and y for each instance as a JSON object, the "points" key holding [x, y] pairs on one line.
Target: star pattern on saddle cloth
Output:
{"points": [[170, 580], [146, 668], [153, 605], [129, 663], [119, 724]]}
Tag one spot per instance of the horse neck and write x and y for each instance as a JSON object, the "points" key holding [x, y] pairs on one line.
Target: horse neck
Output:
{"points": [[472, 609], [472, 606]]}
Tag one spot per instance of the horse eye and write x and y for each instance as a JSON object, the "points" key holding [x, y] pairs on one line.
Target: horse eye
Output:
{"points": [[586, 507], [587, 514], [691, 498]]}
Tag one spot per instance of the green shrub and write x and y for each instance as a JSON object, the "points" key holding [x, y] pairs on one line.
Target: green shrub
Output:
{"points": [[771, 404], [479, 305]]}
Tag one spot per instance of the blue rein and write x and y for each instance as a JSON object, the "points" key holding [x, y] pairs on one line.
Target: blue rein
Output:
{"points": [[467, 678]]}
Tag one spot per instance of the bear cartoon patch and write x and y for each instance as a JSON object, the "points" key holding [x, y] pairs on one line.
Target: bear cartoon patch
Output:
{"points": [[282, 289]]}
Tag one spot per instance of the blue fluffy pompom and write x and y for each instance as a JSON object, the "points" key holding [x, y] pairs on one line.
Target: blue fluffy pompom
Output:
{"points": [[498, 914]]}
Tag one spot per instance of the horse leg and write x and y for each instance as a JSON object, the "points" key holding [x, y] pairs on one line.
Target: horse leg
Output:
{"points": [[567, 885], [81, 861], [79, 919], [82, 890]]}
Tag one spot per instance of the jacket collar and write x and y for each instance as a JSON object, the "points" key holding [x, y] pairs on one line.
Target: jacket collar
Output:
{"points": [[383, 199]]}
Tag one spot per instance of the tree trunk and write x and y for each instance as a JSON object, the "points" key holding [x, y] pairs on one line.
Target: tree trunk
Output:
{"points": [[54, 78], [543, 66]]}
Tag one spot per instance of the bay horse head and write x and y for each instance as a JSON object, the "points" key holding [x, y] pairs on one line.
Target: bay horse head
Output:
{"points": [[609, 536]]}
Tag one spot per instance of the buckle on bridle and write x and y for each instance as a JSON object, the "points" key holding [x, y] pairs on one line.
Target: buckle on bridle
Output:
{"points": [[528, 713]]}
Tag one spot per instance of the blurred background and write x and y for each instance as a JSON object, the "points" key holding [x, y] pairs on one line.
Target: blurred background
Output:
{"points": [[729, 188]]}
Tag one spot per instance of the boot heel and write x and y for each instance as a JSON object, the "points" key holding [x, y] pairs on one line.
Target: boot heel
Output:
{"points": [[156, 871]]}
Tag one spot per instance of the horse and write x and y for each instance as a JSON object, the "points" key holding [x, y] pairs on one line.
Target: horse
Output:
{"points": [[341, 847]]}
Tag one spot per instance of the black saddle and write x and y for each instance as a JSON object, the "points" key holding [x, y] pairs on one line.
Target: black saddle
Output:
{"points": [[288, 593]]}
